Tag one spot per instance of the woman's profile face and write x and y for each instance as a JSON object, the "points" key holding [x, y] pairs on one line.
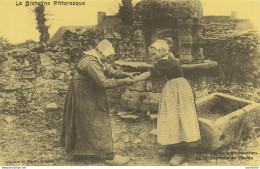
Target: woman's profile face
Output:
{"points": [[109, 58], [155, 54], [106, 59]]}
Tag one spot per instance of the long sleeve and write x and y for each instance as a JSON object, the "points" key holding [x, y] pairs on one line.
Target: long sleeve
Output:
{"points": [[160, 68], [167, 67], [96, 72], [112, 73]]}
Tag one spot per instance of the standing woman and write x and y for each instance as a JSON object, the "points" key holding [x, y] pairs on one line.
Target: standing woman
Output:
{"points": [[177, 123], [86, 128]]}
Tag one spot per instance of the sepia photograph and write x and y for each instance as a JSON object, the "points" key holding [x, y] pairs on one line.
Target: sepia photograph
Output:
{"points": [[129, 83]]}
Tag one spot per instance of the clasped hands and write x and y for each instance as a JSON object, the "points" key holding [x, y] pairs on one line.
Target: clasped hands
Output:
{"points": [[129, 80]]}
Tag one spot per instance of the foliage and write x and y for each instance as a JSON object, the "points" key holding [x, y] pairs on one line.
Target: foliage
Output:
{"points": [[126, 12], [43, 29], [147, 9]]}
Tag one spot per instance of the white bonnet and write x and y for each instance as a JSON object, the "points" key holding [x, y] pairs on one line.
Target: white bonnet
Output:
{"points": [[158, 44], [106, 48]]}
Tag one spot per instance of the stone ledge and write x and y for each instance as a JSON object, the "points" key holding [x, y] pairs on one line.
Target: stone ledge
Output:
{"points": [[134, 65], [206, 65], [143, 65]]}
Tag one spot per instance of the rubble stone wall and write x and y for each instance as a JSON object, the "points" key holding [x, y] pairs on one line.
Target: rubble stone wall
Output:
{"points": [[237, 56], [74, 42], [26, 77]]}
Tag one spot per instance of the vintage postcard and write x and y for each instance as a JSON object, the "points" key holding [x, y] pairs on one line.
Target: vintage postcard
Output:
{"points": [[129, 83]]}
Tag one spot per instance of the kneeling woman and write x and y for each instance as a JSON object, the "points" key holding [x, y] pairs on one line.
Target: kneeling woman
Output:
{"points": [[177, 124]]}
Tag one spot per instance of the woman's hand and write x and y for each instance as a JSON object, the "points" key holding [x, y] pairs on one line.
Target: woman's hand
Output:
{"points": [[143, 76], [127, 81], [132, 74]]}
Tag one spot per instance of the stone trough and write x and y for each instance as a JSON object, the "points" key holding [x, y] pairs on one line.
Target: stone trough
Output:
{"points": [[223, 119]]}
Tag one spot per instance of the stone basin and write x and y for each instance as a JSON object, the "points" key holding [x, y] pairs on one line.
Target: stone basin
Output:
{"points": [[224, 119]]}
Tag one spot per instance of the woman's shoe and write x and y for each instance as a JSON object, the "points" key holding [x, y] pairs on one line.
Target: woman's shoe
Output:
{"points": [[118, 160], [177, 159], [166, 152]]}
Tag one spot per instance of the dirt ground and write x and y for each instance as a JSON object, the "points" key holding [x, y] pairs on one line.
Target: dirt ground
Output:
{"points": [[30, 137]]}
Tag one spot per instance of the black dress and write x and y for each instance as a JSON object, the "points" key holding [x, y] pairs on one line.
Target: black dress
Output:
{"points": [[86, 126]]}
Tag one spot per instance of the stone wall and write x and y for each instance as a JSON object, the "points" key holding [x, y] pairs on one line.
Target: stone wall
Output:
{"points": [[26, 76], [75, 41], [237, 57]]}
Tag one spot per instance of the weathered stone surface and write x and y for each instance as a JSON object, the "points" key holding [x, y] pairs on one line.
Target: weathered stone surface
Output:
{"points": [[130, 99], [28, 75], [17, 53], [229, 126], [9, 64], [126, 140], [62, 67], [201, 93], [46, 61], [26, 63], [109, 36], [40, 82], [27, 85], [3, 57], [51, 132], [65, 57], [116, 35], [253, 113], [62, 76], [143, 101], [127, 115], [150, 102], [138, 86], [148, 86], [8, 94], [52, 106], [224, 131], [43, 84], [1, 99], [11, 86], [37, 47]]}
